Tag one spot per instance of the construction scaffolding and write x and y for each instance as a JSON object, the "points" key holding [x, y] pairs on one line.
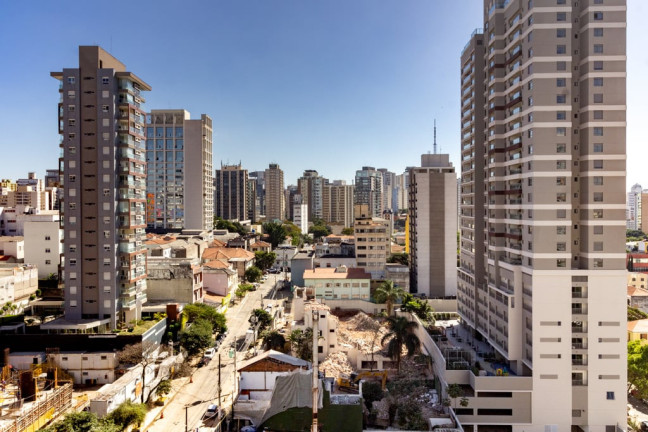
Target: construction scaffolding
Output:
{"points": [[32, 416]]}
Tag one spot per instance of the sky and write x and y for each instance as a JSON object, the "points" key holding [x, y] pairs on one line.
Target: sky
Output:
{"points": [[327, 85]]}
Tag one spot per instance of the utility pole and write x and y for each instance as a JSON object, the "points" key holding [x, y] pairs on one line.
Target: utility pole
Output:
{"points": [[315, 313], [186, 418], [219, 381]]}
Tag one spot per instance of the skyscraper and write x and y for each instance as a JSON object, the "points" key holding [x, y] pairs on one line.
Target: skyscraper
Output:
{"points": [[542, 276], [230, 191], [369, 190], [101, 122], [389, 184], [310, 186], [337, 203], [274, 193], [433, 227], [633, 211], [179, 165]]}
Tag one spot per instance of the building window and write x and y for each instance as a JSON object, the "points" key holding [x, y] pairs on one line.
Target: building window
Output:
{"points": [[561, 82], [598, 115], [71, 122], [561, 99], [561, 148], [598, 197], [597, 214], [598, 263], [598, 229], [598, 65], [598, 82], [598, 131], [561, 214], [561, 33], [561, 16], [598, 16], [561, 49], [598, 147], [561, 230], [598, 246], [561, 263], [598, 32], [598, 164], [71, 80], [47, 250], [598, 97], [561, 131], [105, 80], [105, 94], [561, 115], [561, 165], [598, 181], [598, 48], [561, 66]]}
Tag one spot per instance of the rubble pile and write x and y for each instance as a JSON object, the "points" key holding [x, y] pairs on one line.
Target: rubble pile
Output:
{"points": [[336, 364], [361, 331]]}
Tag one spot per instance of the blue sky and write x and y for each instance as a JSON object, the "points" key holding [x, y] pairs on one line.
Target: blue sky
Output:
{"points": [[328, 85]]}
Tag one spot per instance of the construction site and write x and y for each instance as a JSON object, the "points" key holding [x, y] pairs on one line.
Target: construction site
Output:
{"points": [[32, 395]]}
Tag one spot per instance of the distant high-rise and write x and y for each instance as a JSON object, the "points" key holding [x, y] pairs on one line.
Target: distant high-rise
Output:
{"points": [[251, 197], [633, 210], [542, 274], [388, 186], [310, 186], [230, 191], [179, 165], [101, 121], [337, 202], [259, 176], [433, 227], [369, 190], [274, 193]]}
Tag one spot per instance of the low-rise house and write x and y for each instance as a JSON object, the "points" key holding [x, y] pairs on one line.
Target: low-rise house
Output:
{"points": [[285, 254], [174, 280], [260, 245], [338, 283], [13, 246], [638, 280], [89, 368], [219, 277], [638, 330], [638, 298], [240, 259]]}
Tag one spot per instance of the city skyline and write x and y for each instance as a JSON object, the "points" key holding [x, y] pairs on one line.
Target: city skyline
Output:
{"points": [[343, 77]]}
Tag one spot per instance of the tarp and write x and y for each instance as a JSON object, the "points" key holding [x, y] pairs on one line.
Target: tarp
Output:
{"points": [[290, 391]]}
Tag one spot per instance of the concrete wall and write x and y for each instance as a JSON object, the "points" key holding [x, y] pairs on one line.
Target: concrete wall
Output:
{"points": [[259, 380], [219, 282]]}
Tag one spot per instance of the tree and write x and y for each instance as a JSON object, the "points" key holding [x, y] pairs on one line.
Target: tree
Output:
{"points": [[371, 391], [264, 319], [196, 337], [301, 342], [164, 388], [347, 231], [273, 340], [454, 391], [83, 421], [128, 414], [235, 227], [401, 333], [319, 231], [636, 314], [253, 274], [276, 233], [388, 293], [264, 260], [139, 353], [421, 308], [293, 231], [638, 368], [399, 258], [195, 311]]}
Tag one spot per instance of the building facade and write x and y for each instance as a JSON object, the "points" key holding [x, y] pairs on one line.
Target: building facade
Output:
{"points": [[369, 190], [338, 203], [179, 167], [372, 244], [230, 192], [275, 207], [633, 211], [310, 186], [433, 227], [101, 122], [546, 286]]}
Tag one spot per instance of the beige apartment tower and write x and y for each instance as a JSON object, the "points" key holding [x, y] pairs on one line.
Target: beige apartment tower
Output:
{"points": [[542, 264], [433, 227], [337, 199], [179, 167], [274, 193], [101, 122]]}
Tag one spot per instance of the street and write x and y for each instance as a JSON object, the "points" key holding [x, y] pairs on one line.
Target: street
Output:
{"points": [[191, 401]]}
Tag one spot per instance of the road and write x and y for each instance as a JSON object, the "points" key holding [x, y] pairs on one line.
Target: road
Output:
{"points": [[191, 401]]}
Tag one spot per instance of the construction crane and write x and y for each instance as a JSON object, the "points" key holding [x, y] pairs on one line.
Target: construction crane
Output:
{"points": [[351, 382]]}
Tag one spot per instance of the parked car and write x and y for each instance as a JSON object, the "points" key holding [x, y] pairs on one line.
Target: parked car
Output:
{"points": [[221, 336], [213, 412], [210, 353]]}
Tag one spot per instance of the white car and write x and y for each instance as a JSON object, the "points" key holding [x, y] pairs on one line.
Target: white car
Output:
{"points": [[210, 353], [213, 412]]}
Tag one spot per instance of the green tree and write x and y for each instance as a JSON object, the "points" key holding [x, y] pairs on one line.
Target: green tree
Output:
{"points": [[253, 274], [371, 391], [638, 368], [273, 340], [77, 422], [293, 231], [319, 231], [347, 231], [455, 391], [164, 388], [264, 260], [196, 337], [264, 319], [421, 308], [276, 233], [301, 342], [401, 333], [636, 314], [128, 414], [389, 294], [399, 258], [234, 227], [195, 311]]}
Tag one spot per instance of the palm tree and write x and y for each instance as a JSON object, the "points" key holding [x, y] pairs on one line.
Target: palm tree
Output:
{"points": [[273, 340], [301, 342], [401, 332], [388, 293]]}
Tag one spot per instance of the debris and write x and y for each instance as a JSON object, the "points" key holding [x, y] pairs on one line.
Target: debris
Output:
{"points": [[336, 365], [361, 331]]}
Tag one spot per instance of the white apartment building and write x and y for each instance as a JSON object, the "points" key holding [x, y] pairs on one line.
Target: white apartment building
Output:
{"points": [[300, 217], [542, 275], [43, 245]]}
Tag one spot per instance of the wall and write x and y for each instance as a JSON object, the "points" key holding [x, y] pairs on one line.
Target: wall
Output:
{"points": [[259, 380], [41, 237]]}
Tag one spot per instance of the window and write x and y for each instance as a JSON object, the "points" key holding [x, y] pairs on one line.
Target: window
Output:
{"points": [[598, 246], [561, 230], [598, 148], [598, 65], [105, 94], [105, 80], [71, 122], [598, 263], [561, 165], [561, 33], [561, 115], [598, 131], [48, 262], [561, 99], [561, 181], [609, 395], [561, 148], [598, 16], [47, 250], [561, 247], [598, 32], [561, 16], [598, 82], [561, 214], [47, 238], [561, 49], [561, 82], [598, 181], [598, 115], [598, 196], [561, 66], [598, 48], [561, 197], [598, 97], [598, 164], [597, 214], [561, 131], [561, 263], [598, 229]]}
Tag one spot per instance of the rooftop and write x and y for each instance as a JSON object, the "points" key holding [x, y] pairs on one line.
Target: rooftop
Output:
{"points": [[638, 326], [332, 273], [277, 357]]}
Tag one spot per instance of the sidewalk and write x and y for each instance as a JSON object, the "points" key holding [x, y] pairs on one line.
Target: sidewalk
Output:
{"points": [[154, 414]]}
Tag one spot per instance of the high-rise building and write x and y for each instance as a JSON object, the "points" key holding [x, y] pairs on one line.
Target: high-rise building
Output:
{"points": [[400, 194], [101, 121], [230, 192], [251, 197], [372, 241], [179, 165], [30, 192], [369, 190], [433, 227], [389, 184], [292, 197], [274, 193], [542, 264], [310, 187], [633, 210], [259, 176], [337, 201]]}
